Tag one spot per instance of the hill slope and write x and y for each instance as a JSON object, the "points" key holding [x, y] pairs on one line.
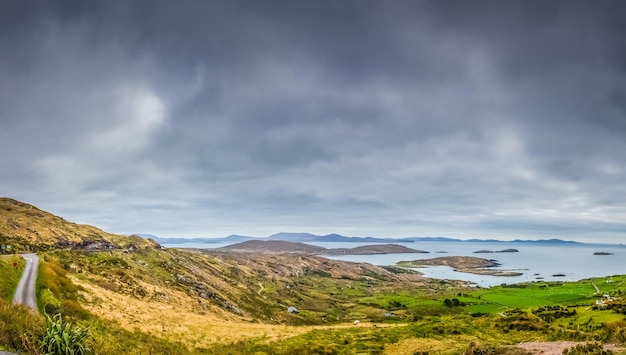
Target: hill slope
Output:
{"points": [[279, 246], [25, 227]]}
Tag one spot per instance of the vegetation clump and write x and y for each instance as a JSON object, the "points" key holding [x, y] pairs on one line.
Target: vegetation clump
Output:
{"points": [[591, 348], [64, 338]]}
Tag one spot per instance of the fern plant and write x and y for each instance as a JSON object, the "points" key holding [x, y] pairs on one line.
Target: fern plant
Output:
{"points": [[63, 338]]}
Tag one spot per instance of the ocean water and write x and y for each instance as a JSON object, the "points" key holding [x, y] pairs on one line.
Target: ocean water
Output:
{"points": [[536, 261]]}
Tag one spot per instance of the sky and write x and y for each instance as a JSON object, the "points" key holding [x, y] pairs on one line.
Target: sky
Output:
{"points": [[464, 119]]}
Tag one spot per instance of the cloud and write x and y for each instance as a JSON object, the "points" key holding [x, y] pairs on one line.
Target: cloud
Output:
{"points": [[368, 118]]}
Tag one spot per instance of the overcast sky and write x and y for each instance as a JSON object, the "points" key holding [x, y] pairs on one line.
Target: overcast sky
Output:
{"points": [[466, 119]]}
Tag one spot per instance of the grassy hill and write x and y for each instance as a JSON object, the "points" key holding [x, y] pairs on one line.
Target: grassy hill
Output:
{"points": [[25, 227]]}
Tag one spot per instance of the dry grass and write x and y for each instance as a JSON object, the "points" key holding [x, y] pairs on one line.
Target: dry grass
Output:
{"points": [[26, 227], [411, 346], [177, 316]]}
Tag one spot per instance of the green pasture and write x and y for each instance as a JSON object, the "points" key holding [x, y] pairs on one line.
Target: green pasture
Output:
{"points": [[539, 294]]}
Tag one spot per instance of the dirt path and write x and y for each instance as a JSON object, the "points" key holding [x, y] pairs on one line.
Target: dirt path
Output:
{"points": [[596, 287], [25, 293]]}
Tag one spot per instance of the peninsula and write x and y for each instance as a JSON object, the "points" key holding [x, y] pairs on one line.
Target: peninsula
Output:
{"points": [[280, 247], [468, 264]]}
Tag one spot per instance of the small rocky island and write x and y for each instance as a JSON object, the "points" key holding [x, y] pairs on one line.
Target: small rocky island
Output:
{"points": [[468, 264], [602, 253], [497, 251]]}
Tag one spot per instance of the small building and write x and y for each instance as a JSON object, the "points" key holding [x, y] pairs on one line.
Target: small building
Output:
{"points": [[293, 310]]}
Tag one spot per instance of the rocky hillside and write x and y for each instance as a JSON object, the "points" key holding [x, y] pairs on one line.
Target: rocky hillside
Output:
{"points": [[25, 227], [220, 286]]}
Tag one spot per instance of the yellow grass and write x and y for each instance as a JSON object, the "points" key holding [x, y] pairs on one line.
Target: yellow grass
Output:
{"points": [[26, 225], [410, 346], [176, 316]]}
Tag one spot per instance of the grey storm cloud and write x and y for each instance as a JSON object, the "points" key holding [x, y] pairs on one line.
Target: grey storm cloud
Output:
{"points": [[388, 118]]}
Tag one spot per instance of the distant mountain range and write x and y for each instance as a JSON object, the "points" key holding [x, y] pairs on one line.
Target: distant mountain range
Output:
{"points": [[312, 238]]}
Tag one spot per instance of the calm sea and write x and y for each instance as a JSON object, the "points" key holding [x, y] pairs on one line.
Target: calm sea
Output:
{"points": [[537, 261]]}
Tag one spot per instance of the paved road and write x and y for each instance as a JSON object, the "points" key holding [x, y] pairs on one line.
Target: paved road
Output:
{"points": [[25, 293]]}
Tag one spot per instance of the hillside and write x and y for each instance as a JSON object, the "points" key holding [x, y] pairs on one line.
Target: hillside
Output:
{"points": [[279, 246], [376, 249], [179, 301], [25, 227], [273, 246]]}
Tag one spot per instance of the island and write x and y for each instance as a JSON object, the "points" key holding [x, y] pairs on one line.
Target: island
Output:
{"points": [[279, 246], [468, 264], [511, 250], [602, 253]]}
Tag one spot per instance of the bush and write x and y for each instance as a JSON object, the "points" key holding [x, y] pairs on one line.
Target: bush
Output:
{"points": [[64, 339], [588, 348], [50, 303], [615, 331]]}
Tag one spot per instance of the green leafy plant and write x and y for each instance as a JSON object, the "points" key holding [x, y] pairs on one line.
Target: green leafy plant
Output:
{"points": [[64, 338]]}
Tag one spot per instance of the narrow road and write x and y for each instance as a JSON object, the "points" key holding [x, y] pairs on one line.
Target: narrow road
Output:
{"points": [[25, 293]]}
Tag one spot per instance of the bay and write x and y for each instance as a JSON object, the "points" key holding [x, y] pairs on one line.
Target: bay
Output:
{"points": [[536, 261]]}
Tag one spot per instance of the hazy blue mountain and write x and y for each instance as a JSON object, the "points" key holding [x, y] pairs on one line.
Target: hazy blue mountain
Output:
{"points": [[553, 241], [229, 239], [293, 237], [432, 239], [308, 237], [235, 238]]}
